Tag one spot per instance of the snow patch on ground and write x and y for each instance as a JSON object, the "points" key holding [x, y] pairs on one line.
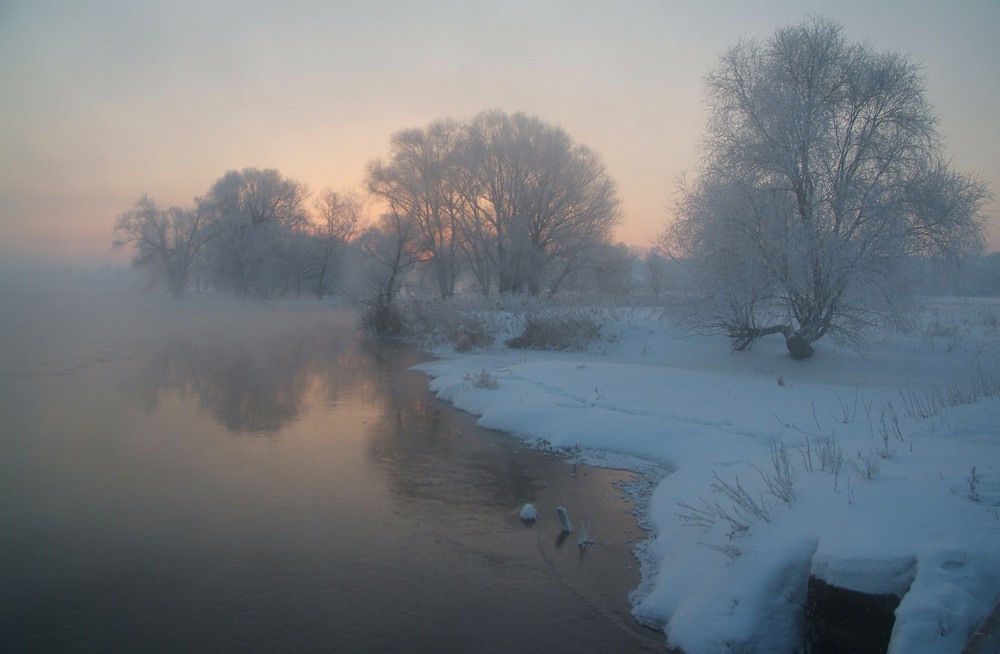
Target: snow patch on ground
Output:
{"points": [[881, 498]]}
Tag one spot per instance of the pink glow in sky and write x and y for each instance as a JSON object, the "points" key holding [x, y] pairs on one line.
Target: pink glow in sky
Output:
{"points": [[105, 101]]}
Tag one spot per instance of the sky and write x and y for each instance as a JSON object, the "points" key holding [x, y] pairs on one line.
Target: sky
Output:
{"points": [[105, 101]]}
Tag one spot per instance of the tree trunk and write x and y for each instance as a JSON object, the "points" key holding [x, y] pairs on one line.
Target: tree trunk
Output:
{"points": [[798, 347], [743, 336]]}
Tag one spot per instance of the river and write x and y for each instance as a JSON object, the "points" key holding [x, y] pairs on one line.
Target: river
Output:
{"points": [[207, 476]]}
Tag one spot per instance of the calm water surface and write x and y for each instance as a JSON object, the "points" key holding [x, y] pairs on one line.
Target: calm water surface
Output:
{"points": [[206, 477]]}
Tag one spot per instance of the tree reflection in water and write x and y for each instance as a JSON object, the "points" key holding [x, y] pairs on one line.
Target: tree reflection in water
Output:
{"points": [[370, 518], [428, 454], [253, 370]]}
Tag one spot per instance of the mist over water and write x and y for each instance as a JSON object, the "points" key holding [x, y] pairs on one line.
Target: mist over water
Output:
{"points": [[224, 476]]}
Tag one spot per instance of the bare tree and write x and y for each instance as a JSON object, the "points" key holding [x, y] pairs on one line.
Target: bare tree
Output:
{"points": [[421, 181], [538, 199], [263, 241], [654, 272], [517, 197], [391, 250], [339, 215], [823, 170], [255, 212], [168, 241], [609, 271]]}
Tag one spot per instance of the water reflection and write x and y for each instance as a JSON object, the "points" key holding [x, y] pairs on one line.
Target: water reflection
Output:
{"points": [[373, 519], [428, 455], [254, 376], [258, 378]]}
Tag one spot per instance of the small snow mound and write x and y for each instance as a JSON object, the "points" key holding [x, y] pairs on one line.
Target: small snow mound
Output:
{"points": [[529, 513]]}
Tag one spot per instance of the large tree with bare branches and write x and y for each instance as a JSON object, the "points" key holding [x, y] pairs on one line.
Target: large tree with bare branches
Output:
{"points": [[422, 181], [256, 213], [538, 200], [167, 242], [512, 197], [822, 171]]}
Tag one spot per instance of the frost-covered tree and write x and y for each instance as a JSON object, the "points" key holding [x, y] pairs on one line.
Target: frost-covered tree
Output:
{"points": [[339, 215], [256, 213], [422, 180], [653, 272], [391, 249], [509, 196], [822, 171], [168, 242], [609, 271], [537, 199]]}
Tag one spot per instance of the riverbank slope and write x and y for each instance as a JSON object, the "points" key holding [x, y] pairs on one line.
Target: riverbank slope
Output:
{"points": [[876, 471]]}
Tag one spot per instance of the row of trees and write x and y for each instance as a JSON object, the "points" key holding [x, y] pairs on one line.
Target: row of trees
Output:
{"points": [[280, 251], [251, 234], [503, 203], [823, 182]]}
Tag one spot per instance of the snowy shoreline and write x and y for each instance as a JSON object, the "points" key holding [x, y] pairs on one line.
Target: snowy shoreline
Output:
{"points": [[877, 472]]}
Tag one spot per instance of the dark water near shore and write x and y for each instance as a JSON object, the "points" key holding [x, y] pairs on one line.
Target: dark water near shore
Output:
{"points": [[201, 477]]}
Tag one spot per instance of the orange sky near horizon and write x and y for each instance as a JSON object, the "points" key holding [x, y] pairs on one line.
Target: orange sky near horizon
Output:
{"points": [[107, 100]]}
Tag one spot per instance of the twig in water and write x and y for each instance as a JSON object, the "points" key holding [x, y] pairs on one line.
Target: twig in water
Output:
{"points": [[974, 479], [567, 526], [585, 540]]}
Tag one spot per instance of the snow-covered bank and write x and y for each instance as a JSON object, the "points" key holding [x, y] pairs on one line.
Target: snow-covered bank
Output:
{"points": [[868, 470]]}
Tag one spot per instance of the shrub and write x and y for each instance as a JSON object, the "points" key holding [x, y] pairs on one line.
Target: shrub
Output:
{"points": [[482, 379], [468, 332], [551, 331], [867, 466], [780, 485], [381, 317], [981, 381], [443, 321], [947, 329]]}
